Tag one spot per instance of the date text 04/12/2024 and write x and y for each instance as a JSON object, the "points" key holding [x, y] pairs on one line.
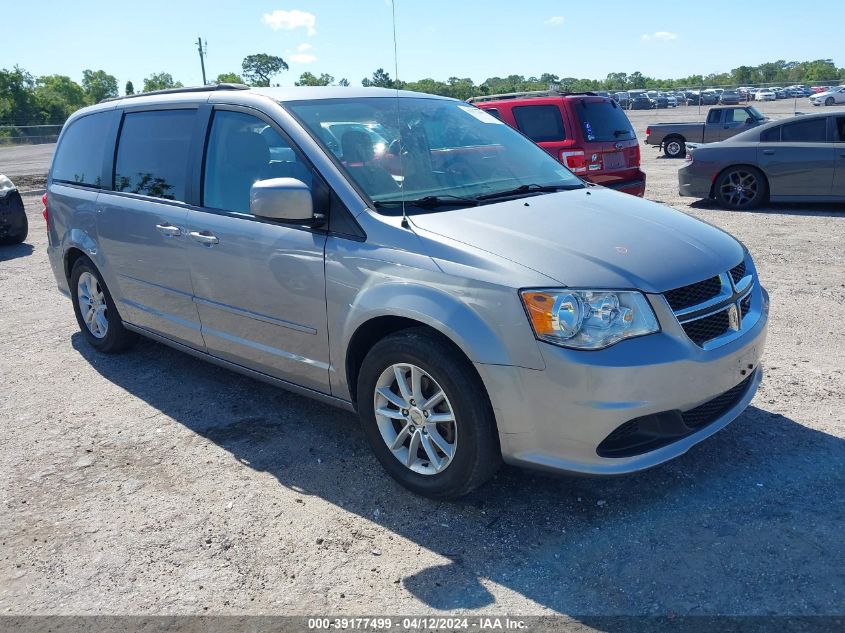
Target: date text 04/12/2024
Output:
{"points": [[417, 623]]}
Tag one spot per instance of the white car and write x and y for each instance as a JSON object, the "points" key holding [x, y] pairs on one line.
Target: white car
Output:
{"points": [[765, 95], [830, 97]]}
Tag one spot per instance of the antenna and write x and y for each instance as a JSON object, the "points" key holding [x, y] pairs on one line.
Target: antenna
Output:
{"points": [[202, 48], [398, 115]]}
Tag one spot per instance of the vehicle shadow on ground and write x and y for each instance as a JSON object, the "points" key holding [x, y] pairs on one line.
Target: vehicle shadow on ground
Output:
{"points": [[14, 251], [748, 522], [821, 209]]}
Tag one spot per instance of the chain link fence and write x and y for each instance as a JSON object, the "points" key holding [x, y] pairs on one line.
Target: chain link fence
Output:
{"points": [[29, 134]]}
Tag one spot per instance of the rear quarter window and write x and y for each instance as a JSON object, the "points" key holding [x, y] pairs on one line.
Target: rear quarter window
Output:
{"points": [[81, 152], [540, 123], [603, 121], [772, 135]]}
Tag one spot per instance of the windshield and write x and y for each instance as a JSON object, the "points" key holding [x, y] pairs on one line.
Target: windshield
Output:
{"points": [[759, 116], [427, 151], [603, 121]]}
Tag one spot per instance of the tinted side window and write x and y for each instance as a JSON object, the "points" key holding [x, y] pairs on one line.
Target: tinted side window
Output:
{"points": [[840, 128], [79, 157], [772, 135], [809, 131], [243, 149], [540, 123], [494, 112], [714, 116], [152, 153]]}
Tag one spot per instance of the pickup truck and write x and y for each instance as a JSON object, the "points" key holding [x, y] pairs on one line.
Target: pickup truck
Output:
{"points": [[721, 123]]}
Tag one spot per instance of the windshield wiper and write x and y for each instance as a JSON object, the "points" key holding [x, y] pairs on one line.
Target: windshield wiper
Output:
{"points": [[532, 188], [428, 202], [618, 133]]}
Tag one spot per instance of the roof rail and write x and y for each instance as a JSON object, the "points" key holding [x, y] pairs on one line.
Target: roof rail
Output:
{"points": [[529, 94], [172, 91]]}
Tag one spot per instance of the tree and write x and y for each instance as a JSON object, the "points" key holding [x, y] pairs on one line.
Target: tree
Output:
{"points": [[98, 85], [130, 88], [308, 79], [229, 78], [160, 81], [57, 97], [345, 82], [17, 99], [259, 68], [381, 79]]}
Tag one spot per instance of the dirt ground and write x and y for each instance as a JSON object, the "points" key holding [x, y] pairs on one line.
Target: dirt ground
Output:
{"points": [[154, 483]]}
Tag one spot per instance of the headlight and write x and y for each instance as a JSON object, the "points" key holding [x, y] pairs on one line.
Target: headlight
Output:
{"points": [[588, 319]]}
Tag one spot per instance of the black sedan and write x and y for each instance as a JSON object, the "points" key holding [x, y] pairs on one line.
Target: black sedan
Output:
{"points": [[799, 159], [640, 102]]}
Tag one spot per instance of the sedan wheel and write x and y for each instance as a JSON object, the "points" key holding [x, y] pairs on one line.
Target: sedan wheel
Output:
{"points": [[829, 101], [741, 188], [415, 419]]}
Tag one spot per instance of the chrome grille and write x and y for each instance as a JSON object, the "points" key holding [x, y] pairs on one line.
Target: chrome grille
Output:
{"points": [[709, 311]]}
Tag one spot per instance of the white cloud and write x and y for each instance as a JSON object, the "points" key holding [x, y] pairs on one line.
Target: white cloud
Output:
{"points": [[290, 20], [303, 58], [304, 47], [555, 20], [664, 36]]}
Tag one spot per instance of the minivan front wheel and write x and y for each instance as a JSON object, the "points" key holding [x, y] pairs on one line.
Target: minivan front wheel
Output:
{"points": [[95, 311], [426, 415]]}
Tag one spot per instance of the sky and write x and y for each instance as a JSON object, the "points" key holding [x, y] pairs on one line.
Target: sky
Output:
{"points": [[435, 38]]}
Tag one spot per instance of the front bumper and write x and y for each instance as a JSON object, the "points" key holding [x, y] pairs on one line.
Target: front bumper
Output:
{"points": [[555, 419]]}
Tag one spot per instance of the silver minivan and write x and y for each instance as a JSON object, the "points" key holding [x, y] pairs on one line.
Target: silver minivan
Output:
{"points": [[411, 258]]}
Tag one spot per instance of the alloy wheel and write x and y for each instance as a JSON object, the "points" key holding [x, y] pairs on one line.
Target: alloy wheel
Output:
{"points": [[415, 419], [92, 305], [739, 189]]}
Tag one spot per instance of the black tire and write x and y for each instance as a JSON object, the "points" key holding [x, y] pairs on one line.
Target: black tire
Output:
{"points": [[829, 101], [477, 454], [14, 226], [741, 187], [675, 147], [117, 338]]}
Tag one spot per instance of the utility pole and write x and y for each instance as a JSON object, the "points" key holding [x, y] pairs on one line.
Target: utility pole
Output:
{"points": [[203, 50]]}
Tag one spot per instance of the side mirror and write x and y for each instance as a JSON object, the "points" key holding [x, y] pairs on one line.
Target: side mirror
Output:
{"points": [[749, 120], [282, 199]]}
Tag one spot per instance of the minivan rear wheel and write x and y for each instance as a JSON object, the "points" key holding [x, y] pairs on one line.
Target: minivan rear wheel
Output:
{"points": [[96, 313], [426, 415]]}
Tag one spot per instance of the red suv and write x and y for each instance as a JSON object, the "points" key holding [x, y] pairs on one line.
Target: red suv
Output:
{"points": [[588, 133]]}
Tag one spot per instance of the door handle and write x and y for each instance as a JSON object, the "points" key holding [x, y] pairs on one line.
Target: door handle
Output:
{"points": [[204, 238], [168, 230], [768, 152]]}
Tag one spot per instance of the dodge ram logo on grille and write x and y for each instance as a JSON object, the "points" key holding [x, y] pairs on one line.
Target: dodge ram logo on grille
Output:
{"points": [[734, 318]]}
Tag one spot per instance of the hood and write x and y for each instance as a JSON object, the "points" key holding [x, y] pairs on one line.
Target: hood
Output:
{"points": [[592, 237]]}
